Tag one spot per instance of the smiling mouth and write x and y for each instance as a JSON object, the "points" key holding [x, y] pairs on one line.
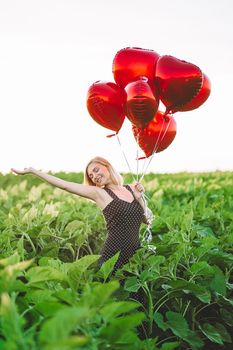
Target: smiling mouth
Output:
{"points": [[99, 179]]}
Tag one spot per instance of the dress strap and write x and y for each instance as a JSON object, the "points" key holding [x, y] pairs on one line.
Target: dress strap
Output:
{"points": [[111, 193], [130, 189]]}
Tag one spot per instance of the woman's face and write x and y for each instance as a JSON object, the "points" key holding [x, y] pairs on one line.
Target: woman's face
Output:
{"points": [[98, 174]]}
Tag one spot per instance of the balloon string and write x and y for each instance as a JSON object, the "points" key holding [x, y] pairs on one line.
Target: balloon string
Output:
{"points": [[148, 232], [154, 150], [145, 159], [123, 152], [158, 141], [137, 157], [165, 131], [137, 138]]}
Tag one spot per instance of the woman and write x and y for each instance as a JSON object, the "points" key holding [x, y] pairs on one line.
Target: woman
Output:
{"points": [[122, 206]]}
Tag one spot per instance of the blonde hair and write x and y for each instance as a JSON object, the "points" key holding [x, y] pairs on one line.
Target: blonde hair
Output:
{"points": [[115, 177]]}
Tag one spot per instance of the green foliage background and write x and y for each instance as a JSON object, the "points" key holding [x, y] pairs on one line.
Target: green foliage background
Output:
{"points": [[53, 296]]}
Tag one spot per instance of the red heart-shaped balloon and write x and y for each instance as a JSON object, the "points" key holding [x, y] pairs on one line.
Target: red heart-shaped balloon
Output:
{"points": [[141, 104], [178, 82], [133, 62], [158, 134], [200, 98], [105, 103]]}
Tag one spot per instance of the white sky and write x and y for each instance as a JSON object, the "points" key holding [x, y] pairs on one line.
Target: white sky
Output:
{"points": [[51, 51]]}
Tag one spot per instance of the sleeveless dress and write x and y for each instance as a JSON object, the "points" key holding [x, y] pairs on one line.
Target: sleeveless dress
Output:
{"points": [[123, 221]]}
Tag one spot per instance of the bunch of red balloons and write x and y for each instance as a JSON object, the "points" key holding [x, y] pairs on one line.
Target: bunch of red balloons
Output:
{"points": [[143, 79]]}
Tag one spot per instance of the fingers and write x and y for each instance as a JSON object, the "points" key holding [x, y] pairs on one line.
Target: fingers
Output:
{"points": [[139, 187], [19, 172], [14, 170]]}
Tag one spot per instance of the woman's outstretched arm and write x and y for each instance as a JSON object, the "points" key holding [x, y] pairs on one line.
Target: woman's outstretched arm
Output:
{"points": [[90, 192]]}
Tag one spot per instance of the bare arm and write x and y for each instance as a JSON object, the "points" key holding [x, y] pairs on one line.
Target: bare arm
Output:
{"points": [[90, 192], [138, 193]]}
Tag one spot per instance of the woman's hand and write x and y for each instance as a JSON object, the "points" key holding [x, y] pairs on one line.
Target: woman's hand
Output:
{"points": [[23, 172], [138, 190]]}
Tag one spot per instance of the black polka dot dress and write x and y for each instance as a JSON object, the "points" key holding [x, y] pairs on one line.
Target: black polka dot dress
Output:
{"points": [[123, 221]]}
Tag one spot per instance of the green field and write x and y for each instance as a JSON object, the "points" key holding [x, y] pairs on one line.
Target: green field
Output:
{"points": [[54, 297]]}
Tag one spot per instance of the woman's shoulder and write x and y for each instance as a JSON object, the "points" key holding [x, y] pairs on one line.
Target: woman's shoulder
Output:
{"points": [[130, 186], [103, 197], [102, 193]]}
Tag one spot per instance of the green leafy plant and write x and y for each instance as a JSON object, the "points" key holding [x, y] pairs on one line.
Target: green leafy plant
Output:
{"points": [[54, 296]]}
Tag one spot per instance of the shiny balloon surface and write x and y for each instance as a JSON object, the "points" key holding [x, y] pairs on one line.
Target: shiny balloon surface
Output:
{"points": [[158, 134], [200, 98], [105, 104], [133, 62], [178, 82], [141, 104]]}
